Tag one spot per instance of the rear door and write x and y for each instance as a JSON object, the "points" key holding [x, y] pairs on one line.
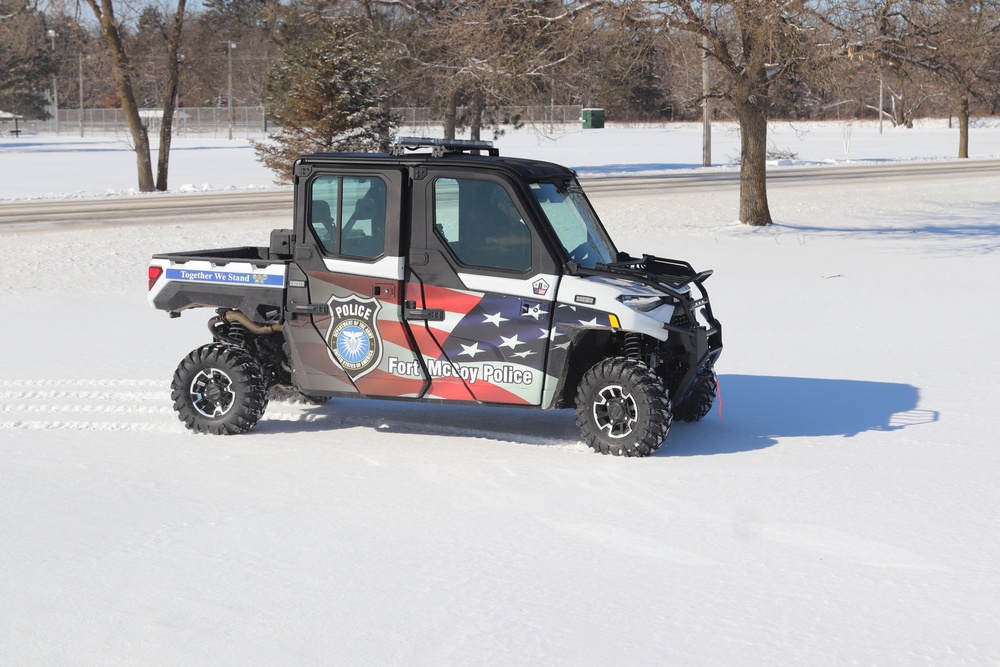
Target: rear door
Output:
{"points": [[345, 316], [481, 288]]}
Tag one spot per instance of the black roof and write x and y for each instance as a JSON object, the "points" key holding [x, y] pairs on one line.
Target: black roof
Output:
{"points": [[520, 167]]}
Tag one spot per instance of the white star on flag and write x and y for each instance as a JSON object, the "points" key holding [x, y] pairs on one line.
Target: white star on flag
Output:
{"points": [[522, 355], [511, 342], [495, 319], [535, 311], [471, 350], [551, 334], [591, 323]]}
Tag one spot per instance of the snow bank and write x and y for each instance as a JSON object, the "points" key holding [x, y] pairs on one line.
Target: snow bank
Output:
{"points": [[40, 167]]}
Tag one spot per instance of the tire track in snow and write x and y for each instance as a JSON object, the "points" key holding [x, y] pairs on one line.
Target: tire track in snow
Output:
{"points": [[82, 395], [46, 425], [144, 406], [83, 383], [113, 405], [86, 405]]}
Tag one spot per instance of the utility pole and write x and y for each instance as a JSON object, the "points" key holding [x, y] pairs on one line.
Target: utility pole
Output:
{"points": [[81, 94], [706, 105], [881, 88], [55, 91], [230, 45]]}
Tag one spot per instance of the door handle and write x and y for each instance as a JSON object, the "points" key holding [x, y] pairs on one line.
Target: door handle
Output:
{"points": [[309, 308], [429, 314]]}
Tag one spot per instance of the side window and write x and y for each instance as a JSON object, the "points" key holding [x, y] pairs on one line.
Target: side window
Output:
{"points": [[325, 204], [481, 225], [347, 215]]}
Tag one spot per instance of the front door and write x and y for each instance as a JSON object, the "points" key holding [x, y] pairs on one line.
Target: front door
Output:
{"points": [[480, 291]]}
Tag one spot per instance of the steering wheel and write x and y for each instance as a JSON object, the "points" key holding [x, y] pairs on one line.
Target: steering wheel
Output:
{"points": [[580, 253]]}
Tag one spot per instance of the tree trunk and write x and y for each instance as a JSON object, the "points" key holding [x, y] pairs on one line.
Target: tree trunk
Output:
{"points": [[754, 210], [105, 13], [450, 114], [170, 97], [963, 127], [476, 117]]}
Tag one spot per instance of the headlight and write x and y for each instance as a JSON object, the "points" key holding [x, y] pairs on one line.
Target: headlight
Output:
{"points": [[643, 304]]}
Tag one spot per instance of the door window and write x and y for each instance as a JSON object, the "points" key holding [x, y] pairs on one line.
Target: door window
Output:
{"points": [[481, 225], [347, 215]]}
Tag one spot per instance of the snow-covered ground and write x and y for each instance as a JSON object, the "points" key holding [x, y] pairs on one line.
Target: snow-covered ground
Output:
{"points": [[841, 510]]}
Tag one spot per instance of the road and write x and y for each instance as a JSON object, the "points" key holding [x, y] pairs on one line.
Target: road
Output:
{"points": [[835, 176], [27, 216]]}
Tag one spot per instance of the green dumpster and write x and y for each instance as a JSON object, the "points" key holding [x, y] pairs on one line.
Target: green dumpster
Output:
{"points": [[593, 119]]}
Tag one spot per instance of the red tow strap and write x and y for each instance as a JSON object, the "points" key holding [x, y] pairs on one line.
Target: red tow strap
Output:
{"points": [[718, 395]]}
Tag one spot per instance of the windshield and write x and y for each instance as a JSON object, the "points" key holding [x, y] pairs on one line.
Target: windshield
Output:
{"points": [[575, 224]]}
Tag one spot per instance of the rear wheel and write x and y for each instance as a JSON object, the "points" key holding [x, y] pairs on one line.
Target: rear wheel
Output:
{"points": [[219, 389], [622, 408]]}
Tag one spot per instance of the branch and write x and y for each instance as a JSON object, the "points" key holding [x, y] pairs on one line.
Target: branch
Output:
{"points": [[15, 13], [97, 10], [587, 6], [409, 7]]}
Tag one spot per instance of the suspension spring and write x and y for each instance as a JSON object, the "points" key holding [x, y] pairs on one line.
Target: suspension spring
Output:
{"points": [[230, 332], [235, 333], [633, 345]]}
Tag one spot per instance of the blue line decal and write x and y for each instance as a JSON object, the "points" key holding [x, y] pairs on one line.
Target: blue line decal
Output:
{"points": [[226, 277]]}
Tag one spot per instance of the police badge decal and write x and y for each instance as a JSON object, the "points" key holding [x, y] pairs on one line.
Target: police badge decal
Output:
{"points": [[353, 339]]}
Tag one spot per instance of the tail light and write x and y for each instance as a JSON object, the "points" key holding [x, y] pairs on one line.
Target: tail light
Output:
{"points": [[154, 274]]}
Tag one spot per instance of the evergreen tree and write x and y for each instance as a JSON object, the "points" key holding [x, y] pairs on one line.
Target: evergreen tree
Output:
{"points": [[325, 94], [26, 64]]}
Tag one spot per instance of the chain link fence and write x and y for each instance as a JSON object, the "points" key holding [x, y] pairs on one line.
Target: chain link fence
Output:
{"points": [[252, 123]]}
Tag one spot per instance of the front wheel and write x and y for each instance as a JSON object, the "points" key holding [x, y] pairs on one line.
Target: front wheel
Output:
{"points": [[622, 408], [219, 389], [698, 404]]}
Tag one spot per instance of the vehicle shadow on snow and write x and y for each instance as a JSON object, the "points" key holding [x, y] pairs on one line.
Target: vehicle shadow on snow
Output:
{"points": [[759, 410], [536, 427], [756, 412]]}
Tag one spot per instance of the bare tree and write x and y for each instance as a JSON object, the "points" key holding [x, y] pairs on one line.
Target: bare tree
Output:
{"points": [[486, 54], [876, 39], [922, 50], [12, 9], [756, 42], [111, 30], [252, 25], [170, 95], [105, 13], [624, 64], [956, 41]]}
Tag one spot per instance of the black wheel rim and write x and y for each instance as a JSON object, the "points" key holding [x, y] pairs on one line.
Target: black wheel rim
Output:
{"points": [[615, 412], [212, 393]]}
